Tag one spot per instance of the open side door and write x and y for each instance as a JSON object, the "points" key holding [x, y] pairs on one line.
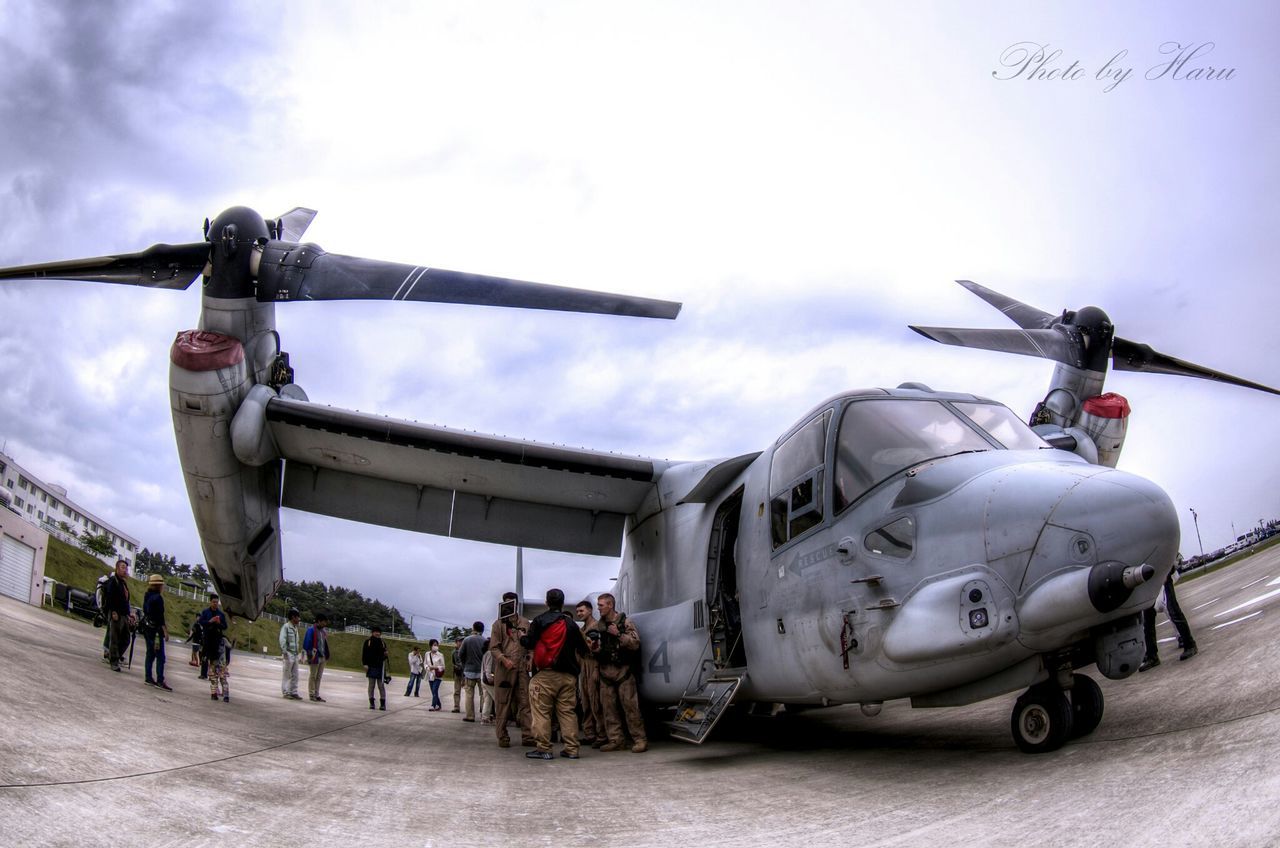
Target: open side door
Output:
{"points": [[699, 710]]}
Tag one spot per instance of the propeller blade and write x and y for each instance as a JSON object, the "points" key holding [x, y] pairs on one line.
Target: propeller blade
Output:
{"points": [[1133, 356], [295, 222], [161, 266], [1026, 317], [1046, 344], [306, 272]]}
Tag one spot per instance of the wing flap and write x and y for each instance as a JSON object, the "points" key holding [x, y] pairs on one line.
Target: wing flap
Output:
{"points": [[454, 483]]}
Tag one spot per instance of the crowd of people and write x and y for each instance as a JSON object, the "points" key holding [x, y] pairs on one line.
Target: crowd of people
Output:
{"points": [[559, 675], [571, 676]]}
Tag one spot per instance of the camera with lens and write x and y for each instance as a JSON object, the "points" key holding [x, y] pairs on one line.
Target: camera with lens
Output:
{"points": [[593, 635]]}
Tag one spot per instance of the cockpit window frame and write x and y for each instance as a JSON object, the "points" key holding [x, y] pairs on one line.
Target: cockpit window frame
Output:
{"points": [[800, 519]]}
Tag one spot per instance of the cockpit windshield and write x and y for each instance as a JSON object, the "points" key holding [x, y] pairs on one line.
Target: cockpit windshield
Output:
{"points": [[1002, 425], [879, 438]]}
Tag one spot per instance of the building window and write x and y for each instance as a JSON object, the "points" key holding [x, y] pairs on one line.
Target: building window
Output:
{"points": [[17, 500]]}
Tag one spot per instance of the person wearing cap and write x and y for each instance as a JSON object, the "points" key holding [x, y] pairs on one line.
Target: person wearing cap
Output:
{"points": [[290, 652], [155, 632]]}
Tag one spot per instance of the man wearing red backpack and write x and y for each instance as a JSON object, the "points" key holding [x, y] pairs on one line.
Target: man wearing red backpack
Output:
{"points": [[555, 643]]}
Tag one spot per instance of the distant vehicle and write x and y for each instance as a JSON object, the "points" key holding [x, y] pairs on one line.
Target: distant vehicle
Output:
{"points": [[75, 601]]}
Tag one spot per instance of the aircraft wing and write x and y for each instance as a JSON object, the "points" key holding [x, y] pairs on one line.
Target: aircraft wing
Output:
{"points": [[431, 479]]}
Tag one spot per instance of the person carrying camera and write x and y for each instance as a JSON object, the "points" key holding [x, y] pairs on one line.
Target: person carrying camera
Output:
{"points": [[589, 682], [616, 644], [510, 672]]}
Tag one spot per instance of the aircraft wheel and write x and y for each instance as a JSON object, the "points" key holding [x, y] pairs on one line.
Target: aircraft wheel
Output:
{"points": [[1041, 720], [1086, 706]]}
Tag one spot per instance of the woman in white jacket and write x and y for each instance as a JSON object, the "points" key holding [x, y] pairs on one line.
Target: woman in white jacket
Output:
{"points": [[435, 673]]}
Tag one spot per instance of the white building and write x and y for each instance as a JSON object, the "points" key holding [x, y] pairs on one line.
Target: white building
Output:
{"points": [[47, 505]]}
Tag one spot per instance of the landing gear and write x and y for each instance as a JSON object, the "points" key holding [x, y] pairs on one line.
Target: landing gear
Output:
{"points": [[1041, 720], [1086, 706]]}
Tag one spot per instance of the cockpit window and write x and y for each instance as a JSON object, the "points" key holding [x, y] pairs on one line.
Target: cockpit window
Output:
{"points": [[1002, 425], [879, 438]]}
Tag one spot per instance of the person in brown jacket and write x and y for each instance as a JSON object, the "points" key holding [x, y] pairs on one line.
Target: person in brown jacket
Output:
{"points": [[510, 673], [617, 648], [589, 683]]}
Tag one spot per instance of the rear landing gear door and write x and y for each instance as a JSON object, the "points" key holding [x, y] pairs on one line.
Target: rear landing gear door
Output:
{"points": [[698, 711]]}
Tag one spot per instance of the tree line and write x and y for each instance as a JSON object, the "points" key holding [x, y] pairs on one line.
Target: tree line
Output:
{"points": [[167, 566], [343, 606]]}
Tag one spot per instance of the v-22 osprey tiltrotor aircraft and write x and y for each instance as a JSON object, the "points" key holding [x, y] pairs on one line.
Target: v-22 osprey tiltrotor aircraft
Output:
{"points": [[894, 543]]}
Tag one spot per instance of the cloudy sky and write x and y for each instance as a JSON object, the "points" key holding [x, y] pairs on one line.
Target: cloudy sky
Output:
{"points": [[807, 179]]}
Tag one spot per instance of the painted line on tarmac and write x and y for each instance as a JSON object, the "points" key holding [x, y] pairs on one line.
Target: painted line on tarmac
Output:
{"points": [[1254, 583], [1263, 597], [1235, 620], [1205, 604], [214, 761]]}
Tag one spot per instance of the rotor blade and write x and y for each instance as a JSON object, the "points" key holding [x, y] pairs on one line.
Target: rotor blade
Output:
{"points": [[1132, 356], [161, 266], [295, 222], [306, 272], [1046, 344], [1026, 317]]}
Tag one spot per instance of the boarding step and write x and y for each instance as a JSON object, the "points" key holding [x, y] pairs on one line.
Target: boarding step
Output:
{"points": [[699, 710]]}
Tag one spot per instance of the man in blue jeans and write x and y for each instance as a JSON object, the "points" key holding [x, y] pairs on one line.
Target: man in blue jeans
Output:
{"points": [[415, 672], [155, 632]]}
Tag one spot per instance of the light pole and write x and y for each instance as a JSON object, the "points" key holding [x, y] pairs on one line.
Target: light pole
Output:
{"points": [[1195, 518]]}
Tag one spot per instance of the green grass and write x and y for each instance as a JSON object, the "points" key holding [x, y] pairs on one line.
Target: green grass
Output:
{"points": [[74, 567]]}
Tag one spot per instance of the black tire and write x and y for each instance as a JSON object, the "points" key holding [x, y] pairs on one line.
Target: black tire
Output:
{"points": [[1086, 706], [1041, 720]]}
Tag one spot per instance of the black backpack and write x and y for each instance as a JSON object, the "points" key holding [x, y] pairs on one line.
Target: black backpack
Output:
{"points": [[211, 640]]}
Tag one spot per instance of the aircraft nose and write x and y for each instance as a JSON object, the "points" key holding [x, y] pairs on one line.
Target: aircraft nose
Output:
{"points": [[1111, 516]]}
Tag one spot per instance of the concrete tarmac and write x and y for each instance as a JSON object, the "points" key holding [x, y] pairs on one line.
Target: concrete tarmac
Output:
{"points": [[1186, 754]]}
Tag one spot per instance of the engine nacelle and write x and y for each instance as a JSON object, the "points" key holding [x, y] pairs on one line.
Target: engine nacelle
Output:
{"points": [[236, 507]]}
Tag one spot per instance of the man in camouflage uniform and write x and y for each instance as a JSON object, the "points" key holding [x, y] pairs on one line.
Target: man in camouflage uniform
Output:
{"points": [[617, 650], [589, 683], [510, 675]]}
